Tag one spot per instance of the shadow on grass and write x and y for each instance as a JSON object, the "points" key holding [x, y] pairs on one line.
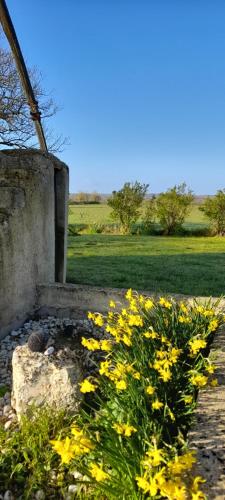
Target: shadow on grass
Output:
{"points": [[191, 274]]}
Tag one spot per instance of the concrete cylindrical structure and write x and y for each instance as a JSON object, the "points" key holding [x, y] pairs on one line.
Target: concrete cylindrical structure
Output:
{"points": [[33, 213]]}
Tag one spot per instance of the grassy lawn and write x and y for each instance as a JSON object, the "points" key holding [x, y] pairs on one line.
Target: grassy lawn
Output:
{"points": [[191, 265]]}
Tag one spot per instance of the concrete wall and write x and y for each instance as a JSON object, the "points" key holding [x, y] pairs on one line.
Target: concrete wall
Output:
{"points": [[27, 230]]}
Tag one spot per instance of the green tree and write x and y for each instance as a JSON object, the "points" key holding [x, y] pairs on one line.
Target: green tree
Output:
{"points": [[214, 209], [149, 213], [126, 203], [172, 207]]}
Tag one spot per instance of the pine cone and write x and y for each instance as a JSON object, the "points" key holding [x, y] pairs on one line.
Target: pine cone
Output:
{"points": [[37, 341]]}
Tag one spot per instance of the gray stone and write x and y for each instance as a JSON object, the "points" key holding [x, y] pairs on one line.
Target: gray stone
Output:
{"points": [[44, 380]]}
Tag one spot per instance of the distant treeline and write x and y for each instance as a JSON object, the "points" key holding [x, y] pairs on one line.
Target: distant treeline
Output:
{"points": [[82, 198]]}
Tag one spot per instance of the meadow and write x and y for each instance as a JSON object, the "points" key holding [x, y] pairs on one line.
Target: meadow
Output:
{"points": [[100, 214], [192, 265]]}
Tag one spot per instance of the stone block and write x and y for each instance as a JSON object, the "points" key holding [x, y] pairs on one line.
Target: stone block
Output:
{"points": [[44, 381]]}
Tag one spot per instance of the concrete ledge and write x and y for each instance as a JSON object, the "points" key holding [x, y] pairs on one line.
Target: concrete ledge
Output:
{"points": [[208, 433], [69, 300], [72, 300]]}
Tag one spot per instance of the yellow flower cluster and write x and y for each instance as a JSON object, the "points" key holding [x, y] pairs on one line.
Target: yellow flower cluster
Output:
{"points": [[94, 345], [69, 448], [169, 481], [196, 344], [97, 318], [124, 429], [183, 319], [165, 303], [118, 373], [120, 326], [205, 312], [164, 361]]}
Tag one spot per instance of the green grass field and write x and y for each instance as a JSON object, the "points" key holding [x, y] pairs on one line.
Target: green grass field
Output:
{"points": [[100, 214], [189, 265]]}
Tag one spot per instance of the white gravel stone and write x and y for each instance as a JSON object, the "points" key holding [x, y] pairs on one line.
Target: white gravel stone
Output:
{"points": [[8, 495], [72, 488], [40, 495], [7, 425], [7, 409], [49, 351]]}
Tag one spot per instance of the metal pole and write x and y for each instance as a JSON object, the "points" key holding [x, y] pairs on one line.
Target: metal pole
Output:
{"points": [[10, 33]]}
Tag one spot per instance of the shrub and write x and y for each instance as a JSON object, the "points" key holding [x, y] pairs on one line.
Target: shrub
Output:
{"points": [[214, 209], [125, 204], [172, 207]]}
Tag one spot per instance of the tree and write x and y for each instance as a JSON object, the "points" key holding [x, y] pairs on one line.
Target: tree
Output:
{"points": [[214, 209], [149, 213], [172, 207], [125, 204], [16, 126]]}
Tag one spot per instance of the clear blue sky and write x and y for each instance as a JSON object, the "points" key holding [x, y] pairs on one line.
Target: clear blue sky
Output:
{"points": [[141, 84]]}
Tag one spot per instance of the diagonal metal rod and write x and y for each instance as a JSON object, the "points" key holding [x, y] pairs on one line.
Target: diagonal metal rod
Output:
{"points": [[10, 33]]}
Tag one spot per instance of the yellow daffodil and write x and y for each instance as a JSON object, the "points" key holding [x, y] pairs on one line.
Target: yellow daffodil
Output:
{"points": [[188, 400], [129, 294], [105, 345], [214, 382], [153, 458], [183, 308], [64, 448], [165, 303], [184, 319], [199, 380], [210, 368], [142, 483], [196, 344], [87, 386], [156, 405], [104, 368], [91, 344], [213, 325], [150, 390], [112, 304], [149, 304], [174, 490], [124, 429], [121, 385], [97, 473]]}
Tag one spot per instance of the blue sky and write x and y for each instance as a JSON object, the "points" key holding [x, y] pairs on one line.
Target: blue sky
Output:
{"points": [[141, 84]]}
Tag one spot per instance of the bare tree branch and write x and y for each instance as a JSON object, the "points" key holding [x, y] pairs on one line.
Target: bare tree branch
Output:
{"points": [[16, 126]]}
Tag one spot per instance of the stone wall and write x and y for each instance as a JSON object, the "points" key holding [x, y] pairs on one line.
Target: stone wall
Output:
{"points": [[28, 218]]}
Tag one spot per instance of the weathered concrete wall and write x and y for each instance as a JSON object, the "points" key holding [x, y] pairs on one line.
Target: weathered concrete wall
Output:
{"points": [[72, 300], [27, 231]]}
